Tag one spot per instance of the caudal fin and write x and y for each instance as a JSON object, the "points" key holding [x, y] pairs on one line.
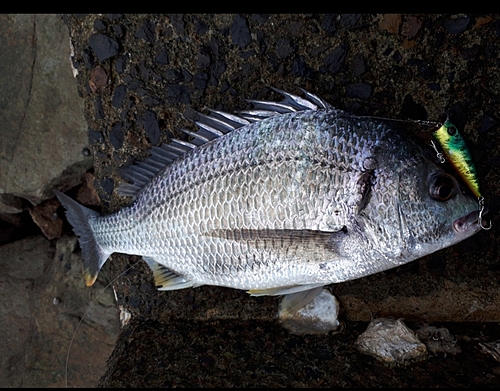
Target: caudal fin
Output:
{"points": [[93, 255]]}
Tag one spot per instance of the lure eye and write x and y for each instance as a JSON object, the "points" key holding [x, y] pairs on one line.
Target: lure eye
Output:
{"points": [[442, 187], [451, 130]]}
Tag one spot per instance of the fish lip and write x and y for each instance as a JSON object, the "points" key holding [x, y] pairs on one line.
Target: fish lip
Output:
{"points": [[468, 223]]}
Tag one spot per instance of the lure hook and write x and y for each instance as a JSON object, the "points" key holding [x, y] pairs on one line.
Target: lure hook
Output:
{"points": [[480, 217], [439, 155]]}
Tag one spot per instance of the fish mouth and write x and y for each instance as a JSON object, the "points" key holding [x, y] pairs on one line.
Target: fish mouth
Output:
{"points": [[469, 223]]}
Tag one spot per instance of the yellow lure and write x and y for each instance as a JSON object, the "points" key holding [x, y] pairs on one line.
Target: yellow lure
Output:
{"points": [[456, 152]]}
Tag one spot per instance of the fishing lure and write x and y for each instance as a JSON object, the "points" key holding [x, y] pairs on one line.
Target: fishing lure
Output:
{"points": [[456, 152]]}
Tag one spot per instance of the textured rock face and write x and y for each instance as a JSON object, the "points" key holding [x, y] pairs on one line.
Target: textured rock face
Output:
{"points": [[140, 74], [41, 115], [42, 299]]}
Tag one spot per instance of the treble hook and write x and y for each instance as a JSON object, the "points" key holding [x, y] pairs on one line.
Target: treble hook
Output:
{"points": [[439, 155], [480, 217]]}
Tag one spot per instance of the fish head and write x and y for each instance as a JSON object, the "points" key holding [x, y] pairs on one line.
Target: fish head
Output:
{"points": [[435, 210]]}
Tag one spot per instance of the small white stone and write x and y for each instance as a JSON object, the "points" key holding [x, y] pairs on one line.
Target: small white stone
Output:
{"points": [[125, 316], [317, 317]]}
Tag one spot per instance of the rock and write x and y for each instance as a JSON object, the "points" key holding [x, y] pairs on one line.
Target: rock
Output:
{"points": [[44, 215], [391, 341], [457, 25], [240, 34], [98, 78], [39, 316], [358, 90], [103, 46], [438, 340], [317, 317], [43, 127]]}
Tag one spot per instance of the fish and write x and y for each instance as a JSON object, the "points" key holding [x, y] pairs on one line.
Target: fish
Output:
{"points": [[281, 199]]}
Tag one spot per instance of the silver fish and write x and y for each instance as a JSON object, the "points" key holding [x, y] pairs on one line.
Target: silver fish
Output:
{"points": [[285, 198]]}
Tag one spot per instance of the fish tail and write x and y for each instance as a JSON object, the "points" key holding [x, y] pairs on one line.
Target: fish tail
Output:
{"points": [[94, 256]]}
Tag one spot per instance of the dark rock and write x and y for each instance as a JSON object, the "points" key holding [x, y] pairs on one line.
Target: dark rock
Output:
{"points": [[187, 76], [200, 26], [216, 72], [240, 34], [397, 57], [150, 101], [349, 20], [284, 48], [118, 30], [300, 67], [95, 136], [173, 75], [162, 58], [358, 65], [203, 61], [113, 16], [107, 184], [214, 46], [151, 127], [103, 46], [147, 31], [487, 123], [119, 96], [457, 25], [177, 23], [88, 58], [116, 136], [120, 63], [99, 25], [99, 110], [178, 94], [328, 23], [358, 91], [334, 60], [200, 80]]}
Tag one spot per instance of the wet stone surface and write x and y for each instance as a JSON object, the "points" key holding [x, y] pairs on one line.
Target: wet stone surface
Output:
{"points": [[399, 66]]}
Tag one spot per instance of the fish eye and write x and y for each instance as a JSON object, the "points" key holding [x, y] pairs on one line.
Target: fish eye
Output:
{"points": [[442, 187]]}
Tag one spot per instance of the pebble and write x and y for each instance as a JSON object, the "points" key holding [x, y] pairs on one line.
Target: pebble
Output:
{"points": [[103, 46], [116, 136], [240, 34], [151, 127], [119, 96], [358, 90], [147, 32], [457, 25], [333, 61]]}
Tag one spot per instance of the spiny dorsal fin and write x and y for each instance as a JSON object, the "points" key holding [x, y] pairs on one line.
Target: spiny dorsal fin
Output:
{"points": [[210, 127]]}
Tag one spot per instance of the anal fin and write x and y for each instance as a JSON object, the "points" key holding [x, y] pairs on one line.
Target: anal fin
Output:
{"points": [[166, 279]]}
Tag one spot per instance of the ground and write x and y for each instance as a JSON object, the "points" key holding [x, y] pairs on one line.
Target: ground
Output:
{"points": [[142, 75]]}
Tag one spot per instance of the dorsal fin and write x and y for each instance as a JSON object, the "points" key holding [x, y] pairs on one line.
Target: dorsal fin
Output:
{"points": [[210, 127]]}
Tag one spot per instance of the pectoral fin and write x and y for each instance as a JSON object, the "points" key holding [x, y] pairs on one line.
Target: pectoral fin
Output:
{"points": [[282, 290], [166, 279]]}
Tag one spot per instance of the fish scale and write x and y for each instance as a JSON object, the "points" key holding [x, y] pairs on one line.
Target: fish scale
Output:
{"points": [[279, 202]]}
